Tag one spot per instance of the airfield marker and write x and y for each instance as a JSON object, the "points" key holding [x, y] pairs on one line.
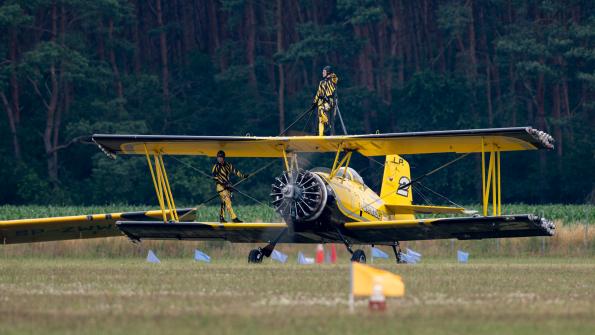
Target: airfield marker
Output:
{"points": [[377, 253], [304, 260], [333, 254], [200, 256], [279, 256], [414, 255], [368, 281], [377, 300], [152, 258], [319, 254], [462, 256]]}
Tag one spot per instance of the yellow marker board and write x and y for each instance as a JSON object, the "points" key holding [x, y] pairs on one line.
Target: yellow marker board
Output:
{"points": [[365, 277]]}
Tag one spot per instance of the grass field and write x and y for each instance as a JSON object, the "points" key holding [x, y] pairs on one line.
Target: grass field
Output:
{"points": [[104, 286], [123, 296]]}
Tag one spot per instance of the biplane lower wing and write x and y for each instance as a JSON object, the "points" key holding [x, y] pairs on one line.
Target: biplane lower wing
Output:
{"points": [[75, 227], [380, 232], [422, 209], [463, 228], [204, 231]]}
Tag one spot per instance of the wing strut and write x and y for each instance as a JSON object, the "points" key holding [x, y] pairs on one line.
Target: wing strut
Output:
{"points": [[344, 162], [490, 181], [162, 187]]}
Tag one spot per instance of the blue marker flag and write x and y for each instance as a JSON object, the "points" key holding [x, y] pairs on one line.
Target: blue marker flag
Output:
{"points": [[200, 256], [152, 258], [408, 258], [304, 260], [462, 256], [414, 254], [377, 253], [279, 256]]}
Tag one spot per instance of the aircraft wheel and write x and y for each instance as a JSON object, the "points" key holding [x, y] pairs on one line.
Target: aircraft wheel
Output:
{"points": [[358, 256], [255, 256]]}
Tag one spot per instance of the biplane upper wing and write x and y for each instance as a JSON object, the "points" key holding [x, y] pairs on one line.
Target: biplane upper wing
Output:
{"points": [[75, 227], [460, 141], [463, 228]]}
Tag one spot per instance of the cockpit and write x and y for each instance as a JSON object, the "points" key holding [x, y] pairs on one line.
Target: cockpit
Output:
{"points": [[350, 175]]}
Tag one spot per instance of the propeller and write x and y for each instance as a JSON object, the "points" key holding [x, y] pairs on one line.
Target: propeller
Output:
{"points": [[298, 196]]}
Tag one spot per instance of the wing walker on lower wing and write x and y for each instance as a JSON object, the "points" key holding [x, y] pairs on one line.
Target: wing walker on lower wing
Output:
{"points": [[317, 206]]}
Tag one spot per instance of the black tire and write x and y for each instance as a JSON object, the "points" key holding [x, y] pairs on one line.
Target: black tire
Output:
{"points": [[255, 256], [359, 256]]}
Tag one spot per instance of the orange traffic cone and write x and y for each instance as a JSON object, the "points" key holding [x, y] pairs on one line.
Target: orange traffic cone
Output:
{"points": [[377, 300], [333, 254], [319, 254]]}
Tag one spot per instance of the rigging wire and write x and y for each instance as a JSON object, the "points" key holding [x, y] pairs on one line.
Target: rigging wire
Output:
{"points": [[440, 195], [418, 179], [308, 123], [232, 186], [301, 116], [424, 199]]}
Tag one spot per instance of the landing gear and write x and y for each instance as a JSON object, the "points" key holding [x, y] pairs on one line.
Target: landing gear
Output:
{"points": [[397, 250], [356, 256], [359, 256], [255, 256]]}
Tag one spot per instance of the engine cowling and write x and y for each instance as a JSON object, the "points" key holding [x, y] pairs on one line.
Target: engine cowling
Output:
{"points": [[300, 195]]}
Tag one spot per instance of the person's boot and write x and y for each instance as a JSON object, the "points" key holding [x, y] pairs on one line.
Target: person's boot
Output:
{"points": [[236, 220], [222, 219]]}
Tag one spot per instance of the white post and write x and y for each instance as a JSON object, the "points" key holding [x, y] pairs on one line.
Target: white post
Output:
{"points": [[586, 234], [351, 298]]}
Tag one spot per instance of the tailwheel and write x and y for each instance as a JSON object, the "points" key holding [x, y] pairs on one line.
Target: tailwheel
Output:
{"points": [[255, 256], [358, 256]]}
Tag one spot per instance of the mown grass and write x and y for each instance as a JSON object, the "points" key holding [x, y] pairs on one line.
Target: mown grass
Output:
{"points": [[179, 296]]}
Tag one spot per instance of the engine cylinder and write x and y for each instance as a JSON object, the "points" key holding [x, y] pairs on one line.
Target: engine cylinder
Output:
{"points": [[300, 195]]}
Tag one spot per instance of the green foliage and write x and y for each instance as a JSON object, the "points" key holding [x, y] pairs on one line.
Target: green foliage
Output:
{"points": [[37, 63], [211, 88], [454, 18], [433, 101], [361, 11], [319, 40]]}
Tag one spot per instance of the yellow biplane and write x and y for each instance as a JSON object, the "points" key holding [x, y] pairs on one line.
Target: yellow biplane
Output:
{"points": [[317, 206]]}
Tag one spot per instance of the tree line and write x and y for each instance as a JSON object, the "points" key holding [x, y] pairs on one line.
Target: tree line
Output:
{"points": [[71, 68]]}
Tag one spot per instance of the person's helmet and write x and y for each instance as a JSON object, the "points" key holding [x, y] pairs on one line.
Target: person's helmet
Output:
{"points": [[221, 153], [328, 69]]}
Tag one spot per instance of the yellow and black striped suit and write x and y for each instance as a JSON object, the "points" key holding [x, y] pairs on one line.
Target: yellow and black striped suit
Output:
{"points": [[324, 100], [221, 174]]}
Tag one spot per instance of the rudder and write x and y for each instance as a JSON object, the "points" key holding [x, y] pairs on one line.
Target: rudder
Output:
{"points": [[396, 173]]}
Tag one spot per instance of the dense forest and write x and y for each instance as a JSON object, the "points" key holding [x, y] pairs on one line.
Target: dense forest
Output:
{"points": [[71, 68]]}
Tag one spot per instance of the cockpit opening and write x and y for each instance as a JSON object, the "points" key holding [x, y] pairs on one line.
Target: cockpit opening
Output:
{"points": [[350, 175]]}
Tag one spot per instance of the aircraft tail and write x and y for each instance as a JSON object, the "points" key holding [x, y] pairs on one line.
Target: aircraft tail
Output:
{"points": [[396, 173]]}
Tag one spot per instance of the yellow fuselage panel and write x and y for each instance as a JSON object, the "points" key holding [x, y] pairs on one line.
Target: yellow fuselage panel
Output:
{"points": [[359, 202]]}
